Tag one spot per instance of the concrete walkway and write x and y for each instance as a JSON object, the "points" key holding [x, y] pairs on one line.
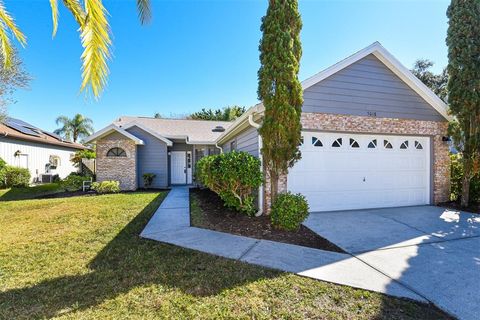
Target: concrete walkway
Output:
{"points": [[171, 224]]}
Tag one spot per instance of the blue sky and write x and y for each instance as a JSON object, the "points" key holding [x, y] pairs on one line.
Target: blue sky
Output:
{"points": [[203, 53]]}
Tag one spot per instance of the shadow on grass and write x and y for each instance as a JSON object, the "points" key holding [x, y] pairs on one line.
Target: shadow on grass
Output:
{"points": [[128, 262]]}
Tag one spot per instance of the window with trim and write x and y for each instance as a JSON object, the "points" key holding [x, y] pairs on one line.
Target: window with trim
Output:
{"points": [[337, 143], [404, 145], [354, 143], [372, 144], [316, 142], [387, 144], [116, 152], [418, 145]]}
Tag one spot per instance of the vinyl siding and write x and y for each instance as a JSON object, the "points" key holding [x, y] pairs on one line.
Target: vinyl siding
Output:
{"points": [[37, 156], [247, 141], [151, 158], [368, 88]]}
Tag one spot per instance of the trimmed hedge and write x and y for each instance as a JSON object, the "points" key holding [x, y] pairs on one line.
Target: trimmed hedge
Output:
{"points": [[73, 182], [15, 177], [456, 181], [234, 176], [106, 187], [289, 211]]}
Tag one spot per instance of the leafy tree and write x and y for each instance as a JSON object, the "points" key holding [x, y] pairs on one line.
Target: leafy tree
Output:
{"points": [[157, 115], [76, 128], [92, 19], [83, 154], [463, 41], [225, 114], [279, 88], [11, 79], [436, 82]]}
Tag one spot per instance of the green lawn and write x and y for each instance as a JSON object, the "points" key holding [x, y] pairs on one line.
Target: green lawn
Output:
{"points": [[30, 192], [82, 258]]}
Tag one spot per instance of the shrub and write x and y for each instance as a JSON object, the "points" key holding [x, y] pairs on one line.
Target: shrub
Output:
{"points": [[106, 187], [73, 182], [15, 177], [148, 179], [2, 163], [234, 176], [289, 211], [456, 178]]}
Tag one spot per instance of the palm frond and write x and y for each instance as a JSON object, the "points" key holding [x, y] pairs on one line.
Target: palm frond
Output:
{"points": [[96, 42], [144, 10], [75, 7], [6, 47], [54, 6], [7, 19]]}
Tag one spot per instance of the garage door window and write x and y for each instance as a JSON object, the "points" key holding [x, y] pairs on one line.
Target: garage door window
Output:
{"points": [[372, 144], [354, 143], [418, 145], [337, 143], [316, 142], [404, 145], [387, 144]]}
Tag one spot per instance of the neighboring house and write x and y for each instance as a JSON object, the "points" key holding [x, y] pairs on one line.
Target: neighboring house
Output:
{"points": [[373, 136], [43, 153]]}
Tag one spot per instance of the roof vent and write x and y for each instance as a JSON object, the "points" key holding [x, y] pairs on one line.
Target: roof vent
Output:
{"points": [[218, 129]]}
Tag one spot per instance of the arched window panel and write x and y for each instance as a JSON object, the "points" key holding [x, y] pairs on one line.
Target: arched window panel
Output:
{"points": [[387, 144], [316, 142], [337, 143], [116, 152], [354, 143], [372, 144], [404, 145], [418, 145]]}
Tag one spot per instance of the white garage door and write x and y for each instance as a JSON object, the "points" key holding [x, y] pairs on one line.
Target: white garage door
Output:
{"points": [[346, 171]]}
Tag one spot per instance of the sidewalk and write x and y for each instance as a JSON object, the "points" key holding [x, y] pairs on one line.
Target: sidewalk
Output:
{"points": [[171, 224]]}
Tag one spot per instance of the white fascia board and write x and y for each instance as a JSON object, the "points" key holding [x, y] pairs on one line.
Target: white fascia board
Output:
{"points": [[142, 127], [394, 65], [238, 124], [109, 129]]}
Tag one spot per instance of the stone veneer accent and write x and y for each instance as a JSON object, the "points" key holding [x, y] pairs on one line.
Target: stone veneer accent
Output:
{"points": [[122, 169], [358, 124]]}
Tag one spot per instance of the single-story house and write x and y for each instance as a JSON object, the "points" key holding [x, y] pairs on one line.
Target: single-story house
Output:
{"points": [[373, 136], [43, 153]]}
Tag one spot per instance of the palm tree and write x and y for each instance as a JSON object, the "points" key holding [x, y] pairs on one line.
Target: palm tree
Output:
{"points": [[75, 128], [94, 30]]}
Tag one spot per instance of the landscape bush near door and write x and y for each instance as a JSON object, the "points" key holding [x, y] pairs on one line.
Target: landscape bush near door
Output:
{"points": [[234, 176], [289, 211], [456, 181], [14, 177]]}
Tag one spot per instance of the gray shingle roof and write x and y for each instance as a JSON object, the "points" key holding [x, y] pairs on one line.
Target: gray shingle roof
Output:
{"points": [[196, 130]]}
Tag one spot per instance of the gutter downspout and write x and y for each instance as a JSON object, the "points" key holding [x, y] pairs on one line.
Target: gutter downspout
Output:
{"points": [[219, 148], [260, 145]]}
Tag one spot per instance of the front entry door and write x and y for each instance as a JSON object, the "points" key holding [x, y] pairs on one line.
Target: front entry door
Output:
{"points": [[178, 170]]}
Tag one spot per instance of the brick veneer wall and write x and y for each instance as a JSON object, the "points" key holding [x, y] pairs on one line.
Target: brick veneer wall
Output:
{"points": [[122, 169], [358, 124]]}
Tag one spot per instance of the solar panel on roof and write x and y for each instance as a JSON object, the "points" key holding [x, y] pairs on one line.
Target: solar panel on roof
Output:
{"points": [[21, 129], [21, 123]]}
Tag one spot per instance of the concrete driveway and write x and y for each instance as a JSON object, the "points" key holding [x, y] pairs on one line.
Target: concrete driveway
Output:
{"points": [[433, 251]]}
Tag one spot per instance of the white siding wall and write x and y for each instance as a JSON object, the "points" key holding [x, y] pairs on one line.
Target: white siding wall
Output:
{"points": [[36, 156]]}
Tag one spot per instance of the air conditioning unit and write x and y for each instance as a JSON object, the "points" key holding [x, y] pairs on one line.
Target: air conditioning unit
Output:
{"points": [[46, 178]]}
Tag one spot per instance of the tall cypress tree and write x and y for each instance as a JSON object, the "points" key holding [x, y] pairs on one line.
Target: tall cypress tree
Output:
{"points": [[463, 41], [279, 88]]}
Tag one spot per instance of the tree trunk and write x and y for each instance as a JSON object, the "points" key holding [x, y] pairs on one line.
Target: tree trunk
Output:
{"points": [[273, 187], [465, 190]]}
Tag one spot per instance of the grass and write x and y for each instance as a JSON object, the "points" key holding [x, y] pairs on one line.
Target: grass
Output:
{"points": [[29, 192], [82, 258]]}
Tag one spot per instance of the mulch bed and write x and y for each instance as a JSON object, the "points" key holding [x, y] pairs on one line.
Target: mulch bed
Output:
{"points": [[473, 208], [216, 216]]}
